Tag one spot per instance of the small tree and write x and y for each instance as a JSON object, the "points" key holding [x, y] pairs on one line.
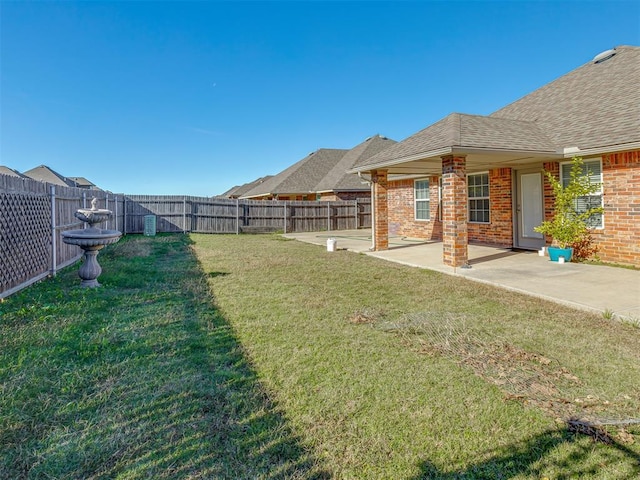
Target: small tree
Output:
{"points": [[570, 225]]}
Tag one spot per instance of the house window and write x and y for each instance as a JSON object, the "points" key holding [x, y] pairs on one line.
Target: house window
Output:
{"points": [[421, 196], [594, 167], [478, 193]]}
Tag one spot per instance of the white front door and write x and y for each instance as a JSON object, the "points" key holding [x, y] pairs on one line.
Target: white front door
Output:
{"points": [[529, 208]]}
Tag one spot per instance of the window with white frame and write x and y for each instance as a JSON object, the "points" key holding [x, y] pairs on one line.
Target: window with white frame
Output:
{"points": [[421, 199], [594, 168], [478, 197]]}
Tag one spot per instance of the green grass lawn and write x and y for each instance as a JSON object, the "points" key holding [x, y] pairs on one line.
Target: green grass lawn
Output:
{"points": [[257, 357]]}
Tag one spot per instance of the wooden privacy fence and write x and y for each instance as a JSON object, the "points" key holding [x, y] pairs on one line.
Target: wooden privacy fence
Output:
{"points": [[222, 215], [34, 214]]}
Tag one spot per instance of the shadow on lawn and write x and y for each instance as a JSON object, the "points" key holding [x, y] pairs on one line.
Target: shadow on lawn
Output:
{"points": [[149, 381], [534, 457], [220, 423]]}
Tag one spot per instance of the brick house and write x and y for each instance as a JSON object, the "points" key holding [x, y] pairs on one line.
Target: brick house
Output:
{"points": [[479, 179], [337, 184], [321, 175]]}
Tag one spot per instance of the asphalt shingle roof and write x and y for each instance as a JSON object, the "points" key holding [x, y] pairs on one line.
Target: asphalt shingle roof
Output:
{"points": [[46, 174], [10, 171], [337, 179], [240, 190], [302, 176], [81, 182], [468, 131], [596, 105]]}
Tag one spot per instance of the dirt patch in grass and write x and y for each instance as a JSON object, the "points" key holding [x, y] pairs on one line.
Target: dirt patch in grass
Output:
{"points": [[365, 316]]}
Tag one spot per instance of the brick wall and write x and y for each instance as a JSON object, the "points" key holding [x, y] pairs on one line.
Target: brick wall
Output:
{"points": [[455, 237], [381, 208], [402, 220], [499, 231], [547, 191], [333, 196], [619, 241]]}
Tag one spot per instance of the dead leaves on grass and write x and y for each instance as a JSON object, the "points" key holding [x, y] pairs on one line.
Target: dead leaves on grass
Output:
{"points": [[365, 316], [523, 376]]}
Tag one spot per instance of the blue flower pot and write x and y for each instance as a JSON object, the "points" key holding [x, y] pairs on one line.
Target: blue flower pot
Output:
{"points": [[556, 252]]}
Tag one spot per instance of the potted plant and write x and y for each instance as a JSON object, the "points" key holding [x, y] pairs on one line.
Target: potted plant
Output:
{"points": [[570, 223]]}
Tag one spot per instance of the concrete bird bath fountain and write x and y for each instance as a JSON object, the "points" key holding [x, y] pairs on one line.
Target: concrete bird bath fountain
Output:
{"points": [[91, 240]]}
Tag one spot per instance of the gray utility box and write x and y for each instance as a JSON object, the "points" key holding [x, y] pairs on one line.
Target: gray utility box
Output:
{"points": [[150, 225]]}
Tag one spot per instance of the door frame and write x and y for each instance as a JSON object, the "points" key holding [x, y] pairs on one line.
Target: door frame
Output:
{"points": [[518, 242]]}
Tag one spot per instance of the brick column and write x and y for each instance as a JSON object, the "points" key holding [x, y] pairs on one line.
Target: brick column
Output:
{"points": [[380, 210], [454, 211]]}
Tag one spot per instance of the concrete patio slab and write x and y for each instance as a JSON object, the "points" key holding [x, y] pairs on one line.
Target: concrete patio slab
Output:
{"points": [[588, 287]]}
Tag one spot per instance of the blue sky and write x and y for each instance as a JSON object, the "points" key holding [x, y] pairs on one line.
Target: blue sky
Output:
{"points": [[196, 97]]}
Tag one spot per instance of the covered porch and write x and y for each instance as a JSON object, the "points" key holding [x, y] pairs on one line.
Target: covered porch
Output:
{"points": [[484, 179]]}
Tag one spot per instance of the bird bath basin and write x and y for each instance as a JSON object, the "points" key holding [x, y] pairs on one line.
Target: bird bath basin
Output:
{"points": [[91, 240], [93, 216]]}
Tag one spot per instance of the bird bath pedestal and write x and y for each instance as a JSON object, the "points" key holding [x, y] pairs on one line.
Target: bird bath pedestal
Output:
{"points": [[91, 240]]}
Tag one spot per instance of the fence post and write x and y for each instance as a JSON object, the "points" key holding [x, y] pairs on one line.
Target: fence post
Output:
{"points": [[124, 214], [285, 216], [355, 206], [84, 205], [328, 217], [237, 216], [106, 207], [115, 208], [184, 214], [53, 230]]}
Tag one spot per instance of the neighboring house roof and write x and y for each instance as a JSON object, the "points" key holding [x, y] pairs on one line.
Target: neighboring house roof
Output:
{"points": [[82, 182], [301, 177], [230, 193], [10, 171], [337, 179], [46, 174], [239, 190], [593, 107]]}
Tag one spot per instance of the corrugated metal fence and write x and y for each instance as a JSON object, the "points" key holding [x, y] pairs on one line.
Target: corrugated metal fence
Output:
{"points": [[33, 216]]}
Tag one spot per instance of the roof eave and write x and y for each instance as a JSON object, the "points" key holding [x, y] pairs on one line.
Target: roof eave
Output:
{"points": [[397, 161], [623, 147], [341, 190], [454, 150], [256, 195]]}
